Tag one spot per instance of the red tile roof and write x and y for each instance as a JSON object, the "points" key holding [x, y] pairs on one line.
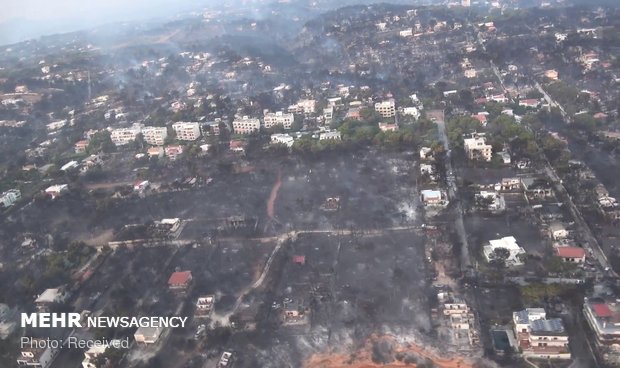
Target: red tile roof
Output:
{"points": [[529, 102], [481, 118], [602, 310], [180, 278], [299, 259], [571, 252], [236, 144]]}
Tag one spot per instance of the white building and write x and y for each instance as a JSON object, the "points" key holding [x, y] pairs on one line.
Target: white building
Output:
{"points": [[186, 131], [91, 354], [56, 125], [522, 319], [411, 111], [426, 153], [69, 166], [284, 139], [155, 136], [124, 136], [155, 152], [333, 135], [433, 197], [427, 169], [8, 198], [387, 108], [603, 317], [278, 118], [50, 297], [539, 337], [303, 106], [204, 305], [56, 190], [558, 231], [328, 114], [496, 201], [246, 125], [477, 148], [406, 32], [510, 244], [147, 335]]}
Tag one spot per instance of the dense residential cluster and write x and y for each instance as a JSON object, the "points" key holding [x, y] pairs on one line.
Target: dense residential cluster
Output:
{"points": [[357, 185]]}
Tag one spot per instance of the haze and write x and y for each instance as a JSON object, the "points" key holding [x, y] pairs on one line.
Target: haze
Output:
{"points": [[22, 20]]}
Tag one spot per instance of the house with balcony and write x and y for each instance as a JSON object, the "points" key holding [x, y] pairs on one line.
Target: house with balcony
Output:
{"points": [[539, 337]]}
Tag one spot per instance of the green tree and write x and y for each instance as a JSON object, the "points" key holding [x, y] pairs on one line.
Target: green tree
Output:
{"points": [[498, 258], [101, 142]]}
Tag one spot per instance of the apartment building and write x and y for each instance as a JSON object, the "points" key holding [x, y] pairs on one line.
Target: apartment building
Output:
{"points": [[459, 319], [278, 118], [8, 198], [603, 317], [387, 108], [155, 136], [284, 139], [539, 337], [330, 135], [211, 128], [303, 106], [246, 125], [124, 136], [477, 148], [186, 131]]}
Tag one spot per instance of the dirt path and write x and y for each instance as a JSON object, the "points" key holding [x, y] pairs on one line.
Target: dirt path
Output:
{"points": [[273, 196]]}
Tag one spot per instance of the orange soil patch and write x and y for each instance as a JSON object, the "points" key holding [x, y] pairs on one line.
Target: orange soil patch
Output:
{"points": [[273, 196], [363, 357]]}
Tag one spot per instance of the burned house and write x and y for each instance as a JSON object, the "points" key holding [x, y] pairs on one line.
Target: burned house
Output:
{"points": [[490, 201], [166, 228], [434, 198], [557, 231], [299, 260], [508, 185], [331, 204], [226, 360], [537, 188], [293, 316], [51, 297], [458, 319], [147, 335], [204, 306], [37, 354], [240, 223]]}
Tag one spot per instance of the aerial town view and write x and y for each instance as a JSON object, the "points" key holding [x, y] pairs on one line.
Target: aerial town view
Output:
{"points": [[310, 183]]}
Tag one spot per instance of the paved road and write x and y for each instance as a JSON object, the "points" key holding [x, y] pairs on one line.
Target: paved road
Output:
{"points": [[453, 190], [552, 102], [592, 244]]}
